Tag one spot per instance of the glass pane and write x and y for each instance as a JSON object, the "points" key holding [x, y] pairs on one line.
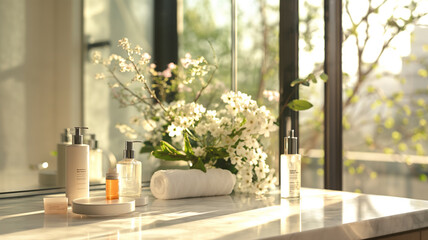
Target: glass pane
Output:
{"points": [[311, 60], [385, 96]]}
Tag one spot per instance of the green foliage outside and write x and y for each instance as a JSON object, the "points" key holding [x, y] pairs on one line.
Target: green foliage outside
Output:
{"points": [[377, 120]]}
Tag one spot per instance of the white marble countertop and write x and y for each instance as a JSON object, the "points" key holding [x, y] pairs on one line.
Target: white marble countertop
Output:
{"points": [[318, 214]]}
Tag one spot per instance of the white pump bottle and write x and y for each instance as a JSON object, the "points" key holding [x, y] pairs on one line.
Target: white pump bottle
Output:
{"points": [[77, 167]]}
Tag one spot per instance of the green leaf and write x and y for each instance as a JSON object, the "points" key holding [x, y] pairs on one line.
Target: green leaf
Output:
{"points": [[190, 134], [223, 164], [243, 122], [236, 133], [299, 105], [168, 156], [297, 81], [199, 165], [166, 147], [324, 77], [314, 80], [167, 152], [305, 83], [311, 77], [216, 153], [187, 146]]}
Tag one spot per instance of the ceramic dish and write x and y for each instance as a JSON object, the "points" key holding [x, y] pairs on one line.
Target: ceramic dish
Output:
{"points": [[100, 206]]}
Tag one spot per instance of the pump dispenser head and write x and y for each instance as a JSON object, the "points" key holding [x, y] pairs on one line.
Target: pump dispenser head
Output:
{"points": [[291, 143], [66, 136], [129, 149], [93, 142], [78, 135]]}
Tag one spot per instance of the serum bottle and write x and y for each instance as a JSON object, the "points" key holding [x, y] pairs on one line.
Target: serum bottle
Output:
{"points": [[290, 179], [112, 184], [77, 166], [130, 172]]}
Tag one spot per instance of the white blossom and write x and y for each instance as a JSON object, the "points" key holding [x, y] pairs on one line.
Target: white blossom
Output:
{"points": [[99, 76], [124, 43], [174, 130], [199, 152]]}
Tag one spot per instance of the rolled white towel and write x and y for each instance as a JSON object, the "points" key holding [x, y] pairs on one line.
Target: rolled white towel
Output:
{"points": [[173, 184]]}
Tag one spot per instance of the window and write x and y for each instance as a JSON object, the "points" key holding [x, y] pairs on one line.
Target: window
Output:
{"points": [[384, 94], [311, 60], [384, 97]]}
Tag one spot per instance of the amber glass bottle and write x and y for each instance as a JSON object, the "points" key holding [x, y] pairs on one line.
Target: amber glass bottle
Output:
{"points": [[112, 185]]}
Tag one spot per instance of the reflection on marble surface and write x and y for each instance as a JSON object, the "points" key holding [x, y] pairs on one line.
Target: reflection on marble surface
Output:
{"points": [[318, 214]]}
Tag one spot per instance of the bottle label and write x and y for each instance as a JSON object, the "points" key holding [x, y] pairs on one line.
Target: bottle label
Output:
{"points": [[294, 182], [81, 174], [290, 175]]}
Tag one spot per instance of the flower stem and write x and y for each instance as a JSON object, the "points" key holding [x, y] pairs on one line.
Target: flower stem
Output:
{"points": [[211, 76], [150, 91], [206, 85], [126, 88], [287, 101]]}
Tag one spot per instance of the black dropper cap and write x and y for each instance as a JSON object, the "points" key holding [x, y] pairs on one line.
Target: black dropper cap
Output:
{"points": [[78, 135], [129, 149], [291, 143]]}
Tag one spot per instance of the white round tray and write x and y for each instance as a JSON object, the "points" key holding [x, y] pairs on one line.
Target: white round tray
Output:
{"points": [[100, 206]]}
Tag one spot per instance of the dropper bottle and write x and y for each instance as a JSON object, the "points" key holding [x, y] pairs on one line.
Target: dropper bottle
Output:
{"points": [[290, 175]]}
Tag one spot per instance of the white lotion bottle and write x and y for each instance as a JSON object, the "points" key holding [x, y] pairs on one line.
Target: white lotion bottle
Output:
{"points": [[65, 141], [290, 178], [130, 171], [77, 167]]}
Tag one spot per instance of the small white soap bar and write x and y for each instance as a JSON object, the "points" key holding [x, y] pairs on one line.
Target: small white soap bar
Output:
{"points": [[143, 200], [55, 205]]}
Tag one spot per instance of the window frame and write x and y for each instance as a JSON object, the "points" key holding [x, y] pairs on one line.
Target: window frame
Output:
{"points": [[288, 65]]}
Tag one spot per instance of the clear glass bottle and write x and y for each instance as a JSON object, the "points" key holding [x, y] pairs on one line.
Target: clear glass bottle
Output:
{"points": [[130, 171], [95, 161], [290, 179]]}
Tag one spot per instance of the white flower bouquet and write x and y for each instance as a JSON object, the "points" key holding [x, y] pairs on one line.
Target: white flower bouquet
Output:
{"points": [[227, 137]]}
